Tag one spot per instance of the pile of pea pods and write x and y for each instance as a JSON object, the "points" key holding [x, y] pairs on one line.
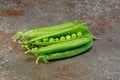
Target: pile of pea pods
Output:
{"points": [[56, 42]]}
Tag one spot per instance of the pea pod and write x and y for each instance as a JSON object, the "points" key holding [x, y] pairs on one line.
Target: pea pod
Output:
{"points": [[44, 30], [61, 46], [57, 40], [66, 54], [58, 33]]}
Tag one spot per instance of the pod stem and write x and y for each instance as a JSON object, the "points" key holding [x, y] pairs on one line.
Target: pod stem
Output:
{"points": [[43, 58], [95, 38], [17, 35]]}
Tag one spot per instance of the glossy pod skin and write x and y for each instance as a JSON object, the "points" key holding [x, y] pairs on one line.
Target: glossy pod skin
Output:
{"points": [[66, 54], [44, 30]]}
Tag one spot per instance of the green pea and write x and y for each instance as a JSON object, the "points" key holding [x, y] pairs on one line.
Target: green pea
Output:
{"points": [[79, 34], [62, 38], [68, 37], [56, 39], [73, 35], [45, 39], [51, 39]]}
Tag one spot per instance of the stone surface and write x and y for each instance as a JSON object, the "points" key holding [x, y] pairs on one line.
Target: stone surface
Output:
{"points": [[102, 62]]}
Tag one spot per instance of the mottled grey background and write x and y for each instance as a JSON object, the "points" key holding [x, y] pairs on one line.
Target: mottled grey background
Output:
{"points": [[102, 62]]}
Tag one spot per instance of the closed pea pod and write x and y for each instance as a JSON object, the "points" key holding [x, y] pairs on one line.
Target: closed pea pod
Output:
{"points": [[57, 27], [66, 54]]}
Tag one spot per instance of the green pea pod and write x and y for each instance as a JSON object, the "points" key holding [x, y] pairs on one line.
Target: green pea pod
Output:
{"points": [[44, 30], [66, 54], [58, 33], [56, 42], [61, 46], [47, 41]]}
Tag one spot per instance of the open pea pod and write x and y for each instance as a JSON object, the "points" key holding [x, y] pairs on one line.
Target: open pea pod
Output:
{"points": [[54, 40], [57, 34], [63, 38], [43, 30]]}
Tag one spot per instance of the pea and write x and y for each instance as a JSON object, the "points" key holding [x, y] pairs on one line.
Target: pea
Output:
{"points": [[51, 39], [45, 39], [62, 38], [56, 39], [68, 37], [73, 35], [79, 34]]}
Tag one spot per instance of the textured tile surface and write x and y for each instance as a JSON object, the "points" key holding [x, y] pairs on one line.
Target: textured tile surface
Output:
{"points": [[102, 62]]}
